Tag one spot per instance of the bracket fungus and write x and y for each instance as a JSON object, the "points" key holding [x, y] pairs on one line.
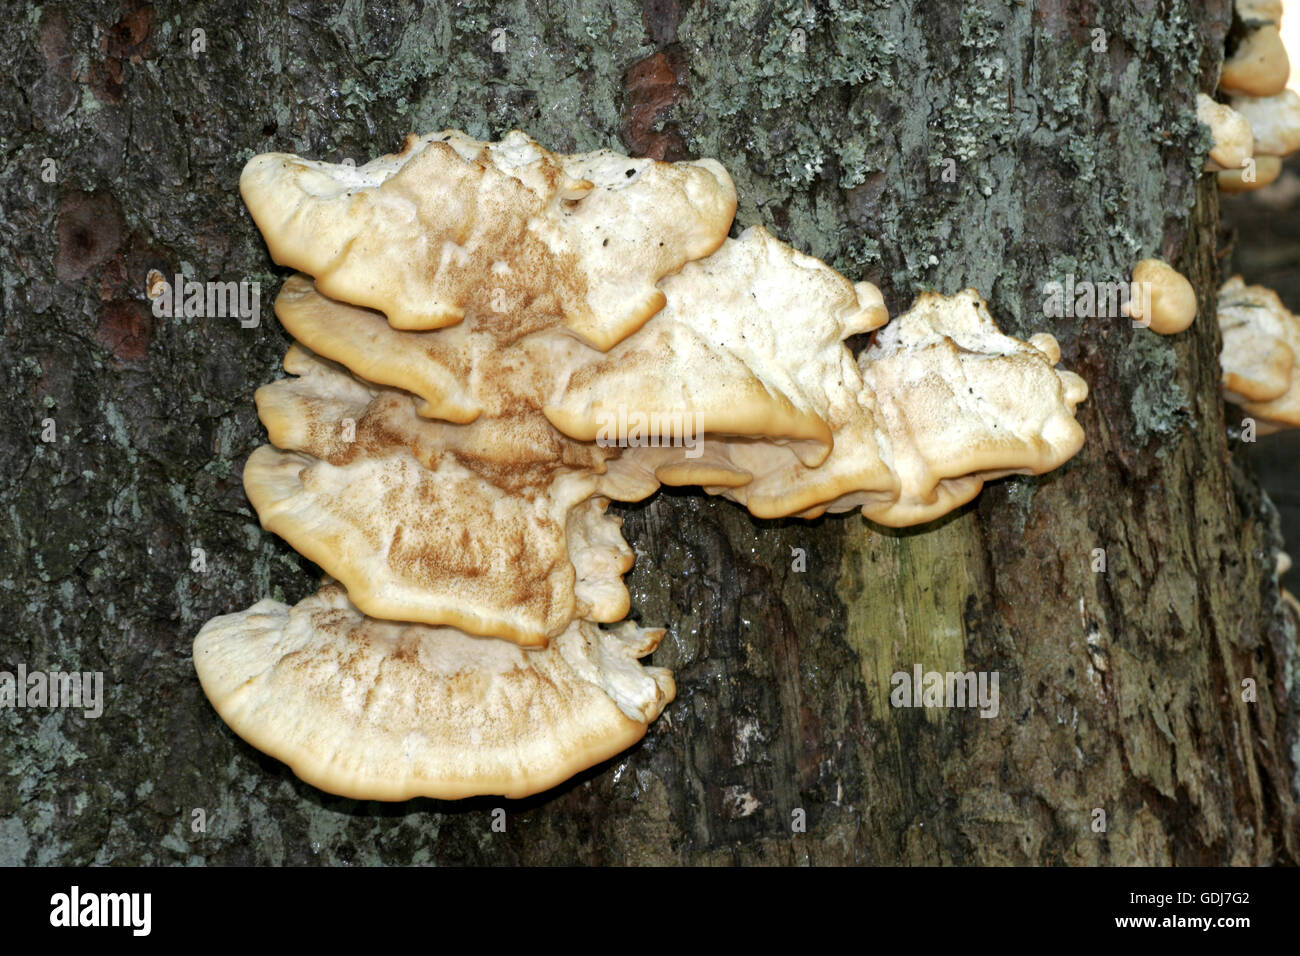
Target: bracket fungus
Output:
{"points": [[1274, 121], [1261, 350], [1261, 127], [1231, 138], [1259, 12], [1260, 66], [383, 710], [1265, 172], [420, 233], [493, 342], [1172, 300], [1238, 160]]}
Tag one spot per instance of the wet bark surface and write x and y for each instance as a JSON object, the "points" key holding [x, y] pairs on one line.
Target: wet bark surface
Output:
{"points": [[917, 144]]}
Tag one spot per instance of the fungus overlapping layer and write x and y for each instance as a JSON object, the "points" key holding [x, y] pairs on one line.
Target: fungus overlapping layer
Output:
{"points": [[1231, 139], [1261, 350], [421, 234], [1262, 125], [940, 402], [1274, 121], [1259, 66], [467, 525], [496, 341], [382, 710]]}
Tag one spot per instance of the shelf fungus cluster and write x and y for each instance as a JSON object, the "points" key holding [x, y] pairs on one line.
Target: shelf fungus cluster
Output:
{"points": [[1260, 356], [1260, 124], [492, 342]]}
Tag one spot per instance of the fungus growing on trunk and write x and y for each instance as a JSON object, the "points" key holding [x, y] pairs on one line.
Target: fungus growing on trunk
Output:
{"points": [[1259, 12], [447, 452], [1259, 67], [386, 504], [424, 234], [1261, 347], [1257, 75], [1274, 121], [1265, 173], [382, 710], [1232, 141], [1172, 299]]}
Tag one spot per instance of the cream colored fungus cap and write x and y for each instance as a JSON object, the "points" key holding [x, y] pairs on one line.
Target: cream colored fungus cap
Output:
{"points": [[378, 710], [451, 226]]}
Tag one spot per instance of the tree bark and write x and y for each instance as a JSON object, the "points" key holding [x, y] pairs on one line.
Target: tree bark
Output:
{"points": [[1066, 129]]}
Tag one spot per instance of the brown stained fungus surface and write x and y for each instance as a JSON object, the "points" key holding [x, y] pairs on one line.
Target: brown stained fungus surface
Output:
{"points": [[518, 236]]}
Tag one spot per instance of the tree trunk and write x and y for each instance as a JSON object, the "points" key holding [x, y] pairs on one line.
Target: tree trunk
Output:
{"points": [[914, 143]]}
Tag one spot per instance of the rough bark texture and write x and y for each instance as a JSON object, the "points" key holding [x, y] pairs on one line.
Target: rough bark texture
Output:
{"points": [[1121, 690]]}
